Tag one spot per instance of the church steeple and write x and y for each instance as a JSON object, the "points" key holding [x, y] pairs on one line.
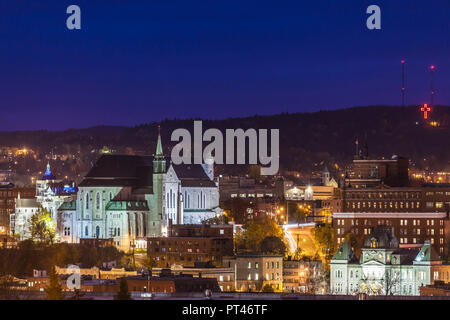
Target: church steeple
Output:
{"points": [[159, 151], [159, 163], [48, 173]]}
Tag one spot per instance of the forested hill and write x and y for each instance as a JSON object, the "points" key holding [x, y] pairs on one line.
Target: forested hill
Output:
{"points": [[305, 138]]}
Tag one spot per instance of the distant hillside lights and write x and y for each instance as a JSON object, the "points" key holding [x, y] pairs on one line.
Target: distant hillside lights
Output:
{"points": [[181, 153]]}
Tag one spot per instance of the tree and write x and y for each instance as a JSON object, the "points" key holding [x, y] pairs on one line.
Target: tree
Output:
{"points": [[272, 244], [222, 219], [149, 264], [257, 230], [391, 281], [123, 293], [42, 226], [267, 288], [323, 237], [54, 290]]}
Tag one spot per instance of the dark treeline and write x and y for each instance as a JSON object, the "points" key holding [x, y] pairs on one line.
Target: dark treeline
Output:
{"points": [[307, 140], [27, 256]]}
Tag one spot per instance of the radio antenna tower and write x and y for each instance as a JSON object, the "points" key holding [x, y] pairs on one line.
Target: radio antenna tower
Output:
{"points": [[403, 83], [432, 68]]}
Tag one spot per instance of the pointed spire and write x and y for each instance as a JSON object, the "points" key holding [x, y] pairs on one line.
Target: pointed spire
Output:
{"points": [[159, 163], [159, 150], [48, 171]]}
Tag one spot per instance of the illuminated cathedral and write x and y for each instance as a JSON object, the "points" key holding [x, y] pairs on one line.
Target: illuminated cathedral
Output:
{"points": [[127, 198]]}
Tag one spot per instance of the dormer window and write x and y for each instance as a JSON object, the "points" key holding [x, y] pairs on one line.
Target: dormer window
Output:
{"points": [[373, 244]]}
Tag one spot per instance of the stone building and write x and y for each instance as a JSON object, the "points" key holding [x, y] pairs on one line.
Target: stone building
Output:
{"points": [[253, 271], [384, 268], [129, 198]]}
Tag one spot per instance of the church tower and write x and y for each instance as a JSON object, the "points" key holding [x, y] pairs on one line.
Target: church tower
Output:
{"points": [[325, 176], [158, 217], [159, 163]]}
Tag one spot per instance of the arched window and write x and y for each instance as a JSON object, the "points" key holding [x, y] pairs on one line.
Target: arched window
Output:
{"points": [[87, 201], [97, 201], [118, 232], [97, 231], [86, 231], [68, 231]]}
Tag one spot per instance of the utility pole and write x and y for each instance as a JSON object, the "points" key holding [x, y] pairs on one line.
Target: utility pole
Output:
{"points": [[403, 83], [432, 68]]}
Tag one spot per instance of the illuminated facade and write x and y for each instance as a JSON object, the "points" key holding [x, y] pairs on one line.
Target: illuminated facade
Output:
{"points": [[129, 198], [384, 268]]}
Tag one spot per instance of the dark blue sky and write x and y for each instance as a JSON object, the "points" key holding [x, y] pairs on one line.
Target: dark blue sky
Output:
{"points": [[137, 61]]}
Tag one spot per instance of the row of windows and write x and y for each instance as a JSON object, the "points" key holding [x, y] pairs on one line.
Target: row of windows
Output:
{"points": [[385, 205], [170, 199], [383, 195], [271, 276], [403, 222], [97, 200]]}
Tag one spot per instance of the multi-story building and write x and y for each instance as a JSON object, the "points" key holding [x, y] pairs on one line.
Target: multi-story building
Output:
{"points": [[377, 192], [248, 188], [224, 276], [20, 220], [384, 268], [191, 244], [255, 271], [8, 195], [411, 228], [304, 276], [366, 173]]}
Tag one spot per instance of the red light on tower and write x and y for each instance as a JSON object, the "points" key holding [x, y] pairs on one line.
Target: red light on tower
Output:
{"points": [[425, 109]]}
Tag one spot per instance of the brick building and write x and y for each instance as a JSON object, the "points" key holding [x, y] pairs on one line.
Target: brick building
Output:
{"points": [[409, 227], [189, 244], [253, 271], [8, 196]]}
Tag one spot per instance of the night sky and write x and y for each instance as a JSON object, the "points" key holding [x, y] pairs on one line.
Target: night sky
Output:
{"points": [[138, 61]]}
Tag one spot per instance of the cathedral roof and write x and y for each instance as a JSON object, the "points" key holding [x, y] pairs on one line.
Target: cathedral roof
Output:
{"points": [[120, 170], [193, 175], [137, 171]]}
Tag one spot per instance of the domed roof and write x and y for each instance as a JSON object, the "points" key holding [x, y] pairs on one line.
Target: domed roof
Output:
{"points": [[381, 237], [48, 174]]}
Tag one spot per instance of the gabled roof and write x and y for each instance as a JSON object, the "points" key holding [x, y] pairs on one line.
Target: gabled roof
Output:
{"points": [[27, 203], [193, 175], [68, 205], [118, 166], [345, 253], [120, 170], [190, 171]]}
